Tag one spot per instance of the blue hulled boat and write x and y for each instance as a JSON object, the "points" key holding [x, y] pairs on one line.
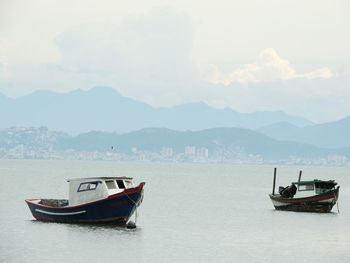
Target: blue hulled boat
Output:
{"points": [[91, 200]]}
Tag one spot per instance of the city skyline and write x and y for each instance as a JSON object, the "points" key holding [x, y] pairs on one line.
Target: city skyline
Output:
{"points": [[211, 146]]}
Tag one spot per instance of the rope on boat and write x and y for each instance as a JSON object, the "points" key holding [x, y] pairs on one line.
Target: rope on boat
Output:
{"points": [[136, 205], [338, 207], [336, 201]]}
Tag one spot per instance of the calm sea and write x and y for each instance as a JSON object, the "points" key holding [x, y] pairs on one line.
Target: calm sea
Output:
{"points": [[190, 213]]}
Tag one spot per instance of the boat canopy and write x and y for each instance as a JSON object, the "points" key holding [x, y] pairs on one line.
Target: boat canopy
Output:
{"points": [[84, 190], [100, 178], [330, 183], [316, 186]]}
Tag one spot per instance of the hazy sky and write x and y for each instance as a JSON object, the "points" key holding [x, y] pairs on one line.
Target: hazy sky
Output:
{"points": [[249, 55]]}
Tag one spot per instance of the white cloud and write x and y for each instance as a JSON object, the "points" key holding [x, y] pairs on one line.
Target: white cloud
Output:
{"points": [[149, 57], [150, 51], [145, 56], [4, 71], [321, 73], [317, 99], [268, 67]]}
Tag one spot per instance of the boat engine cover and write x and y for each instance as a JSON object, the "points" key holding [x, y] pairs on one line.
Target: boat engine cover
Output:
{"points": [[288, 192]]}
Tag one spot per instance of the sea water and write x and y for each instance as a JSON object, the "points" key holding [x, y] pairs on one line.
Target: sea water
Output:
{"points": [[190, 213]]}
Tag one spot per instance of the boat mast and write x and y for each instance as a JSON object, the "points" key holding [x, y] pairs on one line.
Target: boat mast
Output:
{"points": [[274, 181], [300, 172]]}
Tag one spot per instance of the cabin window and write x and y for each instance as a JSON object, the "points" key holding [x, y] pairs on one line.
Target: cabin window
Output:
{"points": [[128, 184], [120, 184], [306, 187], [111, 184], [324, 186], [87, 186]]}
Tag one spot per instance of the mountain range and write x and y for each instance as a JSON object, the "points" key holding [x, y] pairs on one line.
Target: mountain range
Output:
{"points": [[224, 142], [103, 108], [216, 139], [326, 135]]}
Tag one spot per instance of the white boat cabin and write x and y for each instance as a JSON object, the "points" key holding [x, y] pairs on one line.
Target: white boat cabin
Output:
{"points": [[84, 190], [314, 187], [302, 189]]}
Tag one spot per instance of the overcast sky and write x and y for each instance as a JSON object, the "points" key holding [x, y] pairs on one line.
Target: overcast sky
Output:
{"points": [[249, 55]]}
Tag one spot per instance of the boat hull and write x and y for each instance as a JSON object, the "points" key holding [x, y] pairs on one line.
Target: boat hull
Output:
{"points": [[116, 208], [322, 203]]}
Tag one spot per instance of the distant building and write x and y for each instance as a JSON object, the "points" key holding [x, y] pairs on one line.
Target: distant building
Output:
{"points": [[134, 150], [336, 159], [190, 151], [167, 152], [202, 153], [142, 157]]}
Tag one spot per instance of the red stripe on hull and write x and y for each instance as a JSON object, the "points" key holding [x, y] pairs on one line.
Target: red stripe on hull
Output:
{"points": [[322, 203], [116, 220], [316, 198]]}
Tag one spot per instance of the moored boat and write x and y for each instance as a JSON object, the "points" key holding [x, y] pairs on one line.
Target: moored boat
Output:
{"points": [[91, 200], [306, 196]]}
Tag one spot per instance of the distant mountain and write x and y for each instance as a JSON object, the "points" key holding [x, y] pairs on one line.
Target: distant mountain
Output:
{"points": [[327, 135], [33, 138], [217, 139], [279, 130], [103, 108], [227, 144]]}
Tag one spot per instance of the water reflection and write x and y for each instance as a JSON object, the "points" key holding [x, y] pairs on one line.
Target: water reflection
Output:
{"points": [[104, 227], [99, 228]]}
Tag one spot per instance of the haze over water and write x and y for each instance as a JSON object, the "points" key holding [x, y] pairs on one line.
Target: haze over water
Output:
{"points": [[190, 213]]}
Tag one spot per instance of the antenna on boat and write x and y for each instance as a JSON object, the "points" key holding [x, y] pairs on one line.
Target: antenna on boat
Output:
{"points": [[300, 172], [274, 181]]}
